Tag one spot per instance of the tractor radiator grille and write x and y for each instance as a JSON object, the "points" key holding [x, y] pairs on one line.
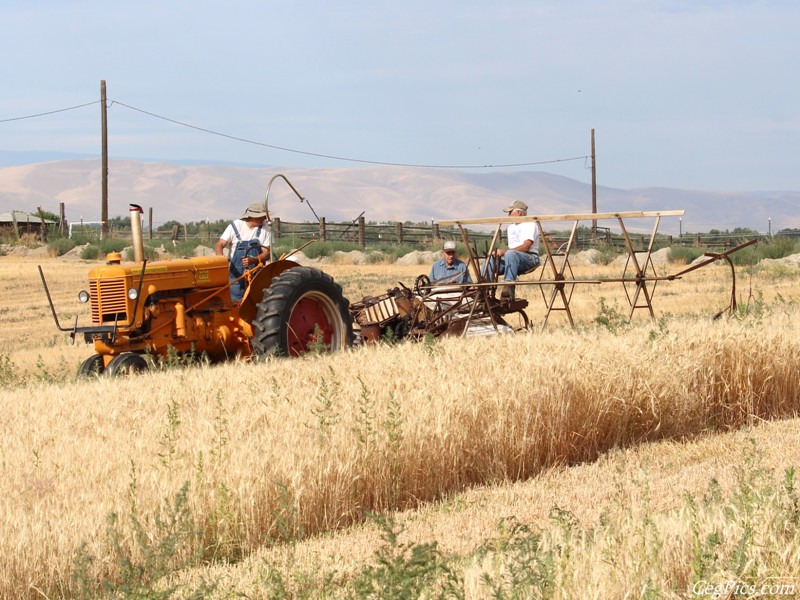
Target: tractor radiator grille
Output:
{"points": [[109, 302]]}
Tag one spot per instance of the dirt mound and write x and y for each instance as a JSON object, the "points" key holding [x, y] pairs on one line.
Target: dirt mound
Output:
{"points": [[203, 251], [354, 257], [659, 258], [586, 257], [787, 261], [418, 257]]}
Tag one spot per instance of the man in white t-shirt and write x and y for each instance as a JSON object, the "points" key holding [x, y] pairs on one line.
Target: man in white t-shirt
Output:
{"points": [[249, 238], [522, 255]]}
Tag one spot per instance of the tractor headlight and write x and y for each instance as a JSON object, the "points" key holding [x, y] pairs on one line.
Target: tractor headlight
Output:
{"points": [[83, 296], [133, 293]]}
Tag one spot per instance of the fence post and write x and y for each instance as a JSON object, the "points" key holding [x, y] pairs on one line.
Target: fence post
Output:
{"points": [[399, 232], [62, 220], [276, 227], [436, 236], [14, 221], [362, 233], [323, 232], [43, 232], [150, 222]]}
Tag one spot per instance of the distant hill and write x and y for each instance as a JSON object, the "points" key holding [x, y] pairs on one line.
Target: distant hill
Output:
{"points": [[193, 193]]}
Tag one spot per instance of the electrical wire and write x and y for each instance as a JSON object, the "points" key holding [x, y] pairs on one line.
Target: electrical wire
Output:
{"points": [[342, 158], [52, 112], [296, 151]]}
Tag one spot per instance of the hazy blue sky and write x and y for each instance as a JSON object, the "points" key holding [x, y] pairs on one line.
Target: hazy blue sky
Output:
{"points": [[700, 94]]}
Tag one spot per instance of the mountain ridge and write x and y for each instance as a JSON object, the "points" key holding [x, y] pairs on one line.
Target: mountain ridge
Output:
{"points": [[198, 192]]}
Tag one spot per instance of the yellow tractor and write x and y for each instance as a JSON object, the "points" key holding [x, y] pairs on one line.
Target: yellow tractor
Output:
{"points": [[185, 306]]}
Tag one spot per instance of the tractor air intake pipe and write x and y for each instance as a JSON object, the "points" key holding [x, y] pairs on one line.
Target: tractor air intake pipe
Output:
{"points": [[136, 232]]}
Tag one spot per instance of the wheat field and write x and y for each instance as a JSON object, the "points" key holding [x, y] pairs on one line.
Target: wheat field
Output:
{"points": [[275, 466]]}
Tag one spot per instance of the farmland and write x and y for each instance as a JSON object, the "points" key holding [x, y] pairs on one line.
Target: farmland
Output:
{"points": [[605, 459]]}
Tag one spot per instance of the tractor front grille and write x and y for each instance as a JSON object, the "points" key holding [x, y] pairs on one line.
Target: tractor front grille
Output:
{"points": [[109, 303]]}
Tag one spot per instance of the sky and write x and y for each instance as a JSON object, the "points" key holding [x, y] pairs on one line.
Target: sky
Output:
{"points": [[690, 94]]}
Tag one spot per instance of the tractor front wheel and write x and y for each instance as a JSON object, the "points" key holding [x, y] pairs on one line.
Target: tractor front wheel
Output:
{"points": [[92, 366], [126, 364], [303, 310]]}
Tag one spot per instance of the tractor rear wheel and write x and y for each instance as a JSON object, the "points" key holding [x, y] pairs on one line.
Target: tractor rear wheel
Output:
{"points": [[303, 310], [92, 366], [126, 364]]}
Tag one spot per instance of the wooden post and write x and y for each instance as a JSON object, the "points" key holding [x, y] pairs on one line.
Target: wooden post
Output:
{"points": [[43, 230], [150, 223], [16, 226], [104, 165], [594, 190], [399, 232], [436, 235], [174, 234], [323, 232], [362, 233], [276, 228], [62, 219]]}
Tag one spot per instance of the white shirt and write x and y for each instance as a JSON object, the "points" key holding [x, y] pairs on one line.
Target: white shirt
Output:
{"points": [[245, 234], [519, 232]]}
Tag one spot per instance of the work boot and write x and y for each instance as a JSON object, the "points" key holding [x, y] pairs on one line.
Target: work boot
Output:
{"points": [[507, 293]]}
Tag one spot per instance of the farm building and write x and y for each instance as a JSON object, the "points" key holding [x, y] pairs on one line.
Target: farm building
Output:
{"points": [[21, 223]]}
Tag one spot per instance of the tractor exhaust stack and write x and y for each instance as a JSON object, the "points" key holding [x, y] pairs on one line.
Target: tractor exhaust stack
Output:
{"points": [[136, 232]]}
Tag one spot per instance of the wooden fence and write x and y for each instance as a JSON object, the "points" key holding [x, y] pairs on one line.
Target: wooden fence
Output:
{"points": [[427, 236]]}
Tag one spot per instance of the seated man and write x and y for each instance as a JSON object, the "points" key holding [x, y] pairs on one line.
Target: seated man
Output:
{"points": [[449, 269], [522, 255]]}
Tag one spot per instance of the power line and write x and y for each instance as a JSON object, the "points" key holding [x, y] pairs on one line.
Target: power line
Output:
{"points": [[294, 150], [52, 112], [342, 158]]}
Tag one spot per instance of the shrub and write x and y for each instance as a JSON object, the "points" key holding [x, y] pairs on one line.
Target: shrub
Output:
{"points": [[684, 254], [61, 246], [149, 253], [91, 252], [778, 247], [107, 246]]}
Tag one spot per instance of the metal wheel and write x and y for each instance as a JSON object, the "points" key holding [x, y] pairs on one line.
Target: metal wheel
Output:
{"points": [[126, 364], [422, 285], [302, 310]]}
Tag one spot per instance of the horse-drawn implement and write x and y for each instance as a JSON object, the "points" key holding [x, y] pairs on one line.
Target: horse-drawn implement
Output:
{"points": [[433, 308]]}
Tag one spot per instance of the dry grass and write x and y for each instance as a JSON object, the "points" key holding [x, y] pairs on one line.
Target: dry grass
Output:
{"points": [[289, 449]]}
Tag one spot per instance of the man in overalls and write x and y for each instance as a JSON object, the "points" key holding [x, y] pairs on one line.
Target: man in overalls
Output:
{"points": [[249, 239]]}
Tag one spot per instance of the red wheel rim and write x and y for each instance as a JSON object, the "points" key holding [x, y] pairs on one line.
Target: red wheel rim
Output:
{"points": [[310, 325]]}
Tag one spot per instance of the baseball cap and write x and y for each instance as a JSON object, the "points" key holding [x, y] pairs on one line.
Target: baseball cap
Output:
{"points": [[516, 205], [449, 245], [255, 210]]}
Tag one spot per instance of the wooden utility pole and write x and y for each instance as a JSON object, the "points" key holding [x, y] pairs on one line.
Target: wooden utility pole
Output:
{"points": [[594, 190], [150, 222], [104, 166]]}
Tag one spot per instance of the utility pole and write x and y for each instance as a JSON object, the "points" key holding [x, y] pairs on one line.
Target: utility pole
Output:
{"points": [[104, 166], [594, 190]]}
